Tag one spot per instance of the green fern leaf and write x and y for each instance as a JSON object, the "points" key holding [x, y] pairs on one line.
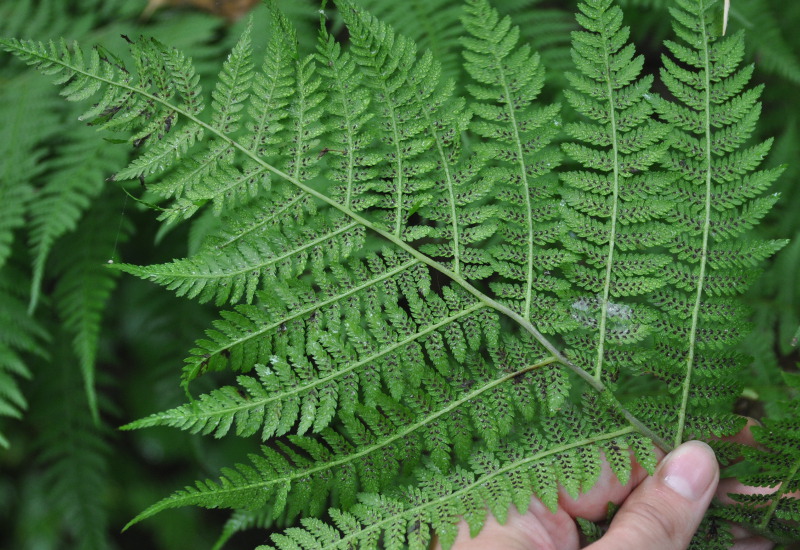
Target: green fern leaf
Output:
{"points": [[507, 81], [712, 120], [19, 334]]}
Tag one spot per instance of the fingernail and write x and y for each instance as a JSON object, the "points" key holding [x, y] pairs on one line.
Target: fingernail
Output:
{"points": [[689, 470]]}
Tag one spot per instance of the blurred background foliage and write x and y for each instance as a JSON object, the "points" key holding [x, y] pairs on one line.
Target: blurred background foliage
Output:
{"points": [[83, 350]]}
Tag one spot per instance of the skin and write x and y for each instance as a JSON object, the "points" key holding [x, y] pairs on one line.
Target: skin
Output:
{"points": [[661, 512]]}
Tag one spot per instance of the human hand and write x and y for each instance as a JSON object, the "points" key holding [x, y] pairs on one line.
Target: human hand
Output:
{"points": [[661, 512]]}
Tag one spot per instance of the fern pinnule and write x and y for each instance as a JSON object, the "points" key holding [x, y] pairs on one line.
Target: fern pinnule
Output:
{"points": [[712, 117], [507, 79]]}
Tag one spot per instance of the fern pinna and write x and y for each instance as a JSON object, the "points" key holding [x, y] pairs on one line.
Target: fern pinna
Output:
{"points": [[393, 256]]}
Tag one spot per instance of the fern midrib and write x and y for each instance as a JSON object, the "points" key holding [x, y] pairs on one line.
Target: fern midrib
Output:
{"points": [[301, 312], [395, 239], [706, 232], [415, 511], [300, 474], [598, 370]]}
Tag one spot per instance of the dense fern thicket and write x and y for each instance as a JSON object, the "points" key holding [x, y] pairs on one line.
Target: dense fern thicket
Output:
{"points": [[422, 259]]}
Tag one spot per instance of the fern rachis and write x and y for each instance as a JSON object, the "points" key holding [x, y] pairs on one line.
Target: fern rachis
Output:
{"points": [[360, 251]]}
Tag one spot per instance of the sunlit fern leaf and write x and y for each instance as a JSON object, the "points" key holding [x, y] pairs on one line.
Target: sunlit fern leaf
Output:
{"points": [[237, 275], [393, 74], [615, 192], [461, 220], [712, 113], [507, 79], [351, 133], [337, 360], [317, 358], [244, 338], [381, 439]]}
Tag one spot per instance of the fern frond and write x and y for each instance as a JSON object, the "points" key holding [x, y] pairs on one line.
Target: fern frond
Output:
{"points": [[85, 284], [555, 451], [433, 419], [712, 115], [394, 77], [19, 334], [508, 78], [68, 193], [616, 142]]}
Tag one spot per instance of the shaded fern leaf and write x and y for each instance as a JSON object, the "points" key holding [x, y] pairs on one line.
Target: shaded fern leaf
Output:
{"points": [[20, 335], [74, 179], [775, 515], [712, 115], [27, 118], [73, 455], [85, 284], [507, 79], [612, 206]]}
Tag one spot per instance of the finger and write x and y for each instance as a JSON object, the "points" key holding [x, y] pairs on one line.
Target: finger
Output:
{"points": [[539, 528], [664, 511]]}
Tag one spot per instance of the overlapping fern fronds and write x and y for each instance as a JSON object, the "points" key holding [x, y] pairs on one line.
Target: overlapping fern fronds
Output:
{"points": [[774, 511], [390, 282]]}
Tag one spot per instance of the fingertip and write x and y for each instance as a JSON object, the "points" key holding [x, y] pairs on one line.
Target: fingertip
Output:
{"points": [[690, 470], [665, 511]]}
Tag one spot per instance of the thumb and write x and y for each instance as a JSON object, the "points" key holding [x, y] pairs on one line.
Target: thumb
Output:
{"points": [[665, 510]]}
